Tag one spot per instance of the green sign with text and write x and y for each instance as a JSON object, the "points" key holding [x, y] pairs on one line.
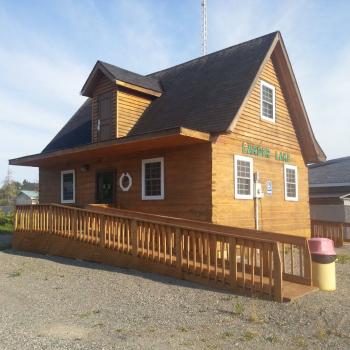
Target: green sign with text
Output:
{"points": [[264, 152]]}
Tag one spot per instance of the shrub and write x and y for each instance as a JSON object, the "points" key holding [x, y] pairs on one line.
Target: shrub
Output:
{"points": [[5, 218]]}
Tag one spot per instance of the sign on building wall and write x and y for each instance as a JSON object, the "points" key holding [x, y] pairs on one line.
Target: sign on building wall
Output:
{"points": [[264, 152]]}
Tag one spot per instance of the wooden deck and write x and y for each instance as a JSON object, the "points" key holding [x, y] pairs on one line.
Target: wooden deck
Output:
{"points": [[239, 260]]}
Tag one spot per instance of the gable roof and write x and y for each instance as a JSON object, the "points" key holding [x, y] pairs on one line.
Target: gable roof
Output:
{"points": [[204, 94], [114, 74], [76, 132], [334, 172], [31, 194]]}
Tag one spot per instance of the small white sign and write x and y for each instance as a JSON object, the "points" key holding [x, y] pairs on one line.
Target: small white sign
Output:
{"points": [[269, 187]]}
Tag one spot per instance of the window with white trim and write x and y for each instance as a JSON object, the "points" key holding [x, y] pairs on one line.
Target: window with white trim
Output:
{"points": [[267, 101], [68, 186], [153, 179], [243, 177], [290, 182]]}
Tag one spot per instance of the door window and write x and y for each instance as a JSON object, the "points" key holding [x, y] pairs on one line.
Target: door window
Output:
{"points": [[105, 187]]}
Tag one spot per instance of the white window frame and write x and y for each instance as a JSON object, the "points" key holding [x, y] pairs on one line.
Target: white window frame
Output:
{"points": [[264, 83], [68, 201], [148, 161], [295, 168], [250, 160]]}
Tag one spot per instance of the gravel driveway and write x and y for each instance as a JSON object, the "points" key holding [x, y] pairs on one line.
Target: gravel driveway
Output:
{"points": [[58, 303]]}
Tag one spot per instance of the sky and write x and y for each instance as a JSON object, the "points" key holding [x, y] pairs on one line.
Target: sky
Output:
{"points": [[48, 48]]}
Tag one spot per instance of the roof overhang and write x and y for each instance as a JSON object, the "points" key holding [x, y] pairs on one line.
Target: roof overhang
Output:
{"points": [[127, 145], [100, 70]]}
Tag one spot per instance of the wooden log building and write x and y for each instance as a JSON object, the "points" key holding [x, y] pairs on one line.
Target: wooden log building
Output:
{"points": [[198, 171], [190, 141]]}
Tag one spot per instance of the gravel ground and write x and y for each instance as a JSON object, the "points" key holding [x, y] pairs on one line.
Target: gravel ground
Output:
{"points": [[58, 303]]}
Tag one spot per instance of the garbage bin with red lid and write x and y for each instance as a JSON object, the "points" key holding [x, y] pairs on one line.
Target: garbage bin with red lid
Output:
{"points": [[323, 258]]}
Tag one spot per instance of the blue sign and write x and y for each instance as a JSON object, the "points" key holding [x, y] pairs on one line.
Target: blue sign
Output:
{"points": [[269, 187]]}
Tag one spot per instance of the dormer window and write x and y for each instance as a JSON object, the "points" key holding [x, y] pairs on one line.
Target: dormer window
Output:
{"points": [[105, 117], [267, 101]]}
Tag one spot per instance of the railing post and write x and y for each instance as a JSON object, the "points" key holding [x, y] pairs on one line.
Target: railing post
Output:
{"points": [[50, 219], [134, 237], [75, 225], [307, 263], [103, 231], [178, 240], [277, 274], [31, 219], [233, 262], [15, 224], [341, 236]]}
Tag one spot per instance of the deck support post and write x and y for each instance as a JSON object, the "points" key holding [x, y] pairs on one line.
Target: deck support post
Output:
{"points": [[341, 235], [49, 219], [307, 264], [178, 243], [277, 273], [31, 224], [233, 262], [103, 231], [134, 237]]}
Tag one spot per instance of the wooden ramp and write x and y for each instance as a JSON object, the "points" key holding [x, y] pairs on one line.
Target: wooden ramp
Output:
{"points": [[231, 258], [292, 291]]}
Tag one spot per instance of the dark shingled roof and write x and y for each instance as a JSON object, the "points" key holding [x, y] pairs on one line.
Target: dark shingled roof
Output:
{"points": [[203, 94], [116, 73], [132, 78], [76, 132], [333, 171]]}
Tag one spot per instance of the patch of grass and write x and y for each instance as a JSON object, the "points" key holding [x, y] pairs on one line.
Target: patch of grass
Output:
{"points": [[300, 342], [227, 334], [119, 330], [272, 339], [238, 309], [100, 324], [15, 273], [182, 329], [227, 298], [88, 313], [321, 334], [343, 259], [248, 335], [6, 228]]}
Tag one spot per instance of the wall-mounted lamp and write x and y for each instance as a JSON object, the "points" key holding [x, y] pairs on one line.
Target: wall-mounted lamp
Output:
{"points": [[84, 168]]}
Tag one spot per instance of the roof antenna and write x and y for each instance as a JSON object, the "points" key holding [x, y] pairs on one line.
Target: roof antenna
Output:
{"points": [[204, 27]]}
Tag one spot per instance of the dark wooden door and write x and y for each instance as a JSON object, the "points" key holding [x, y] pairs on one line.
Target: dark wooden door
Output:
{"points": [[105, 187], [105, 117]]}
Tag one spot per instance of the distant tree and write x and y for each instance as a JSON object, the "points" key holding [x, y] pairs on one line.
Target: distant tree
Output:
{"points": [[9, 190], [29, 186]]}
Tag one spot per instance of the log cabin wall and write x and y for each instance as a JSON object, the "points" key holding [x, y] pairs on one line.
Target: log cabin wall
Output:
{"points": [[276, 214], [187, 182], [104, 86], [130, 107]]}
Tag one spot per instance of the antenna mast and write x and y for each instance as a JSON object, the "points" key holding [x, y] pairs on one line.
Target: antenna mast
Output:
{"points": [[204, 27]]}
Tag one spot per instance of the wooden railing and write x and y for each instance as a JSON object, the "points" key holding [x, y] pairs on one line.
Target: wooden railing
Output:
{"points": [[329, 229], [227, 257]]}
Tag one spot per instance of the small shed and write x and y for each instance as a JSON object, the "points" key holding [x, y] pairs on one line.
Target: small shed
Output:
{"points": [[329, 189], [27, 198]]}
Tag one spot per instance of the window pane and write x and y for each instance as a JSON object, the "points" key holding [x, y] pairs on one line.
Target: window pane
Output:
{"points": [[243, 177], [291, 190], [153, 179], [291, 183], [243, 186], [267, 101], [68, 190]]}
